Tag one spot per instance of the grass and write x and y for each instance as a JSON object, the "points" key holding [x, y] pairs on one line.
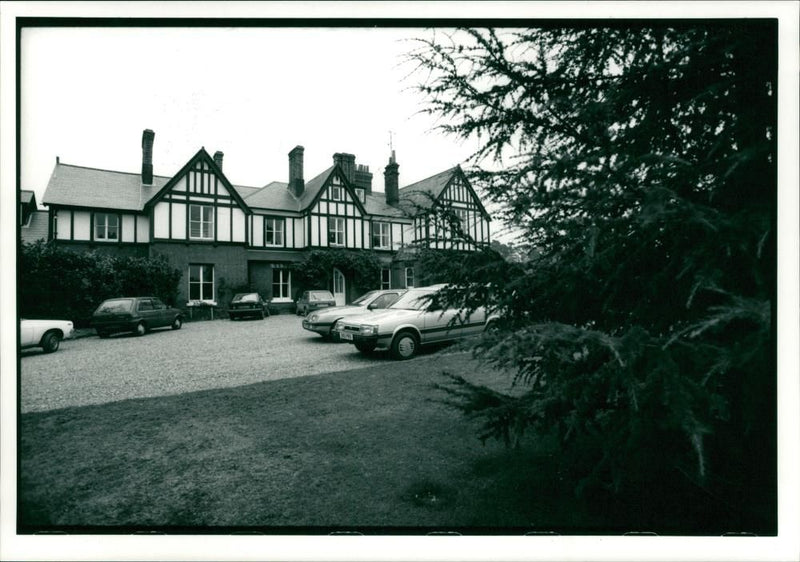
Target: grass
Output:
{"points": [[368, 450]]}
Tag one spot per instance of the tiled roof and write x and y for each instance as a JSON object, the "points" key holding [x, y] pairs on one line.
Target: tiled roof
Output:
{"points": [[376, 205], [26, 196], [313, 186], [36, 228], [274, 195], [424, 192], [90, 187]]}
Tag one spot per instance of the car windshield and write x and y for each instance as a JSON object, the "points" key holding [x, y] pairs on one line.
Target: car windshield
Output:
{"points": [[116, 305], [320, 296], [413, 300], [246, 297], [362, 300]]}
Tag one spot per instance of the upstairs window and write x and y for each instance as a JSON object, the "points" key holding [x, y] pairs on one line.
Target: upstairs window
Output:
{"points": [[337, 192], [381, 238], [106, 227], [273, 232], [336, 231], [201, 222]]}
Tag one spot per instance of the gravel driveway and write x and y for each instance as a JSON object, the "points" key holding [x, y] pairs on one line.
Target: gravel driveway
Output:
{"points": [[200, 356]]}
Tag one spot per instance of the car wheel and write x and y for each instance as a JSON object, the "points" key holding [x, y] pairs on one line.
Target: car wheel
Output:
{"points": [[365, 347], [140, 329], [50, 342], [102, 334], [177, 323], [262, 314], [405, 345]]}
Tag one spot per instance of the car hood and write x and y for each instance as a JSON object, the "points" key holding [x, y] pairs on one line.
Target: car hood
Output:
{"points": [[390, 313], [339, 311]]}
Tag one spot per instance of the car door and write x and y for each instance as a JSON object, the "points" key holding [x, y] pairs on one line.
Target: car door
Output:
{"points": [[438, 325], [161, 314], [144, 308], [26, 334]]}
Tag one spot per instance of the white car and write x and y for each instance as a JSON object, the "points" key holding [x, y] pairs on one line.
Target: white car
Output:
{"points": [[408, 324], [46, 334], [323, 321]]}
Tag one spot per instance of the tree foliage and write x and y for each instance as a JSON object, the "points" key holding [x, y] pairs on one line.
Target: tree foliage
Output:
{"points": [[316, 269], [640, 162], [60, 283]]}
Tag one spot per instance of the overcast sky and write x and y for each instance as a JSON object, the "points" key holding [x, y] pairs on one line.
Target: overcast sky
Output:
{"points": [[253, 93]]}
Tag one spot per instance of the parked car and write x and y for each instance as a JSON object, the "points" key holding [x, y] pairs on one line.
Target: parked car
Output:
{"points": [[248, 304], [134, 314], [314, 300], [410, 323], [46, 334], [323, 321]]}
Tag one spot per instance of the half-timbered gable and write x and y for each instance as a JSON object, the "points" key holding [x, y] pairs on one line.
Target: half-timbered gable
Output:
{"points": [[447, 212], [199, 205], [336, 214]]}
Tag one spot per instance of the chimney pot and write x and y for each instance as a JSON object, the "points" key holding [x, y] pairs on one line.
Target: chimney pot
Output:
{"points": [[147, 156], [218, 159]]}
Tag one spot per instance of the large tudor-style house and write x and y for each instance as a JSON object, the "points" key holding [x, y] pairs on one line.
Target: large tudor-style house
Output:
{"points": [[219, 234]]}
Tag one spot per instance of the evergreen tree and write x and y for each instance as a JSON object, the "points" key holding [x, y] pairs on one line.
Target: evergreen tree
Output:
{"points": [[640, 162]]}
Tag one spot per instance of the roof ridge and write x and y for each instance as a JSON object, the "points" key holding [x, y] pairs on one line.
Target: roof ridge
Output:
{"points": [[448, 170], [107, 170]]}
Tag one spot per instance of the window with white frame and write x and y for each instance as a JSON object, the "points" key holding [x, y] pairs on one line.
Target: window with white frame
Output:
{"points": [[201, 222], [386, 278], [336, 231], [106, 227], [381, 236], [273, 232], [201, 282], [281, 284], [409, 277], [361, 194]]}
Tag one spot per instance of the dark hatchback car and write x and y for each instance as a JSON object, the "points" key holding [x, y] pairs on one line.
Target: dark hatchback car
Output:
{"points": [[248, 304], [314, 300], [134, 314]]}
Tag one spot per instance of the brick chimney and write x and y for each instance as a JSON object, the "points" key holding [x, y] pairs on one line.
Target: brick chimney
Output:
{"points": [[218, 159], [296, 183], [348, 164], [147, 156], [363, 178], [391, 181]]}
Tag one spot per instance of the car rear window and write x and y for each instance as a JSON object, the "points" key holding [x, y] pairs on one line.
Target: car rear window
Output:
{"points": [[116, 305], [320, 296], [249, 297]]}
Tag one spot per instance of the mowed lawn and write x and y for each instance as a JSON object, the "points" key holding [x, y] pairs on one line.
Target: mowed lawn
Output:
{"points": [[369, 450]]}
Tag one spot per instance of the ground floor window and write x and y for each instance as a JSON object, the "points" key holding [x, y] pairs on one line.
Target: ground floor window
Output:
{"points": [[201, 282], [281, 284], [386, 278], [409, 277]]}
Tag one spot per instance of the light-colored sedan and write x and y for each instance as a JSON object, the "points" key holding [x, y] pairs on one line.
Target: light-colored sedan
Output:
{"points": [[409, 323], [323, 321], [46, 334]]}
